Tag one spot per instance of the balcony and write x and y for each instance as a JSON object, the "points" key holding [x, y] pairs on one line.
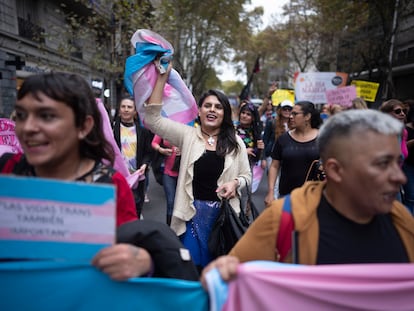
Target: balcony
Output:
{"points": [[30, 31]]}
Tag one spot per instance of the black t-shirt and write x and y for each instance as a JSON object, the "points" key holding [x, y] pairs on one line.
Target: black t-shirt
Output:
{"points": [[344, 241], [410, 158], [295, 159], [207, 170]]}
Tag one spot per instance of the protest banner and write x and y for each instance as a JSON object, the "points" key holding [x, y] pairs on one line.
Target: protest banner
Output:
{"points": [[56, 227], [64, 286], [366, 90], [342, 96], [312, 86], [259, 284], [8, 139], [44, 218]]}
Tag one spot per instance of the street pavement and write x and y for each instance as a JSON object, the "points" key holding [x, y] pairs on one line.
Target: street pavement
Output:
{"points": [[155, 209]]}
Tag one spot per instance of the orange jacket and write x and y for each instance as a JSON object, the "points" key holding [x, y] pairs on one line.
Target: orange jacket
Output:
{"points": [[259, 242]]}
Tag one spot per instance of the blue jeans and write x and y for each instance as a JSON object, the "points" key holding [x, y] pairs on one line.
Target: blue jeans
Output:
{"points": [[169, 185], [409, 187]]}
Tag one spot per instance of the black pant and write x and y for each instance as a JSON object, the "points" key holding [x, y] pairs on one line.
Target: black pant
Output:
{"points": [[139, 194]]}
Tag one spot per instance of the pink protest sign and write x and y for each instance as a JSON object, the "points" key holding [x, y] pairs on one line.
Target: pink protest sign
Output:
{"points": [[8, 138], [342, 96]]}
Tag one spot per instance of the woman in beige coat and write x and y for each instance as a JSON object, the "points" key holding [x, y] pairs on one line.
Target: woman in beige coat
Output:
{"points": [[214, 166]]}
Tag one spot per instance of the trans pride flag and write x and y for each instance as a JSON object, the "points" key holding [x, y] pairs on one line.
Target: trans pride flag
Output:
{"points": [[265, 286], [140, 77]]}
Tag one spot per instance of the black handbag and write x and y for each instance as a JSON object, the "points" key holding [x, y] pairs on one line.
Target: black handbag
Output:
{"points": [[251, 210], [157, 165], [176, 165], [227, 230]]}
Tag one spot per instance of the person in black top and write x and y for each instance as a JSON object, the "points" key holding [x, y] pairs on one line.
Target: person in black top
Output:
{"points": [[295, 150]]}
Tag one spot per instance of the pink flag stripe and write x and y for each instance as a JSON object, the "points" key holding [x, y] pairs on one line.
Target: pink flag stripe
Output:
{"points": [[327, 287]]}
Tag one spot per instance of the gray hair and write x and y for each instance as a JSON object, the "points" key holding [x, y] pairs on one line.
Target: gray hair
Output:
{"points": [[346, 123]]}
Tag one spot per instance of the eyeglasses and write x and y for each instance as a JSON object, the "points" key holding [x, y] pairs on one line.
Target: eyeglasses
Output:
{"points": [[399, 110], [287, 108], [294, 113]]}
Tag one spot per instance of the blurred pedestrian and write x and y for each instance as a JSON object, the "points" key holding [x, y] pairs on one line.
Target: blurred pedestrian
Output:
{"points": [[295, 150], [134, 141], [172, 159]]}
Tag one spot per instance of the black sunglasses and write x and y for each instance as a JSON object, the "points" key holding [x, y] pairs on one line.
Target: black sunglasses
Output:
{"points": [[399, 110], [287, 108]]}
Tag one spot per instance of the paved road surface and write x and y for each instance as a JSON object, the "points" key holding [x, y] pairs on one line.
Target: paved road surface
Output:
{"points": [[156, 209]]}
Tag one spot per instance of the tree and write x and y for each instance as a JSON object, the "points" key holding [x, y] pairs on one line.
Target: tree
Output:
{"points": [[203, 33]]}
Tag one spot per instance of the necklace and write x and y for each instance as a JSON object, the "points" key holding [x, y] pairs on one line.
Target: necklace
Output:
{"points": [[210, 139]]}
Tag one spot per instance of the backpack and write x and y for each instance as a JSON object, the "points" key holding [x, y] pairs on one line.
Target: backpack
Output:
{"points": [[10, 163]]}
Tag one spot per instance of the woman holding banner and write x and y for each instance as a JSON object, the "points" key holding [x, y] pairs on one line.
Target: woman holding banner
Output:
{"points": [[59, 126]]}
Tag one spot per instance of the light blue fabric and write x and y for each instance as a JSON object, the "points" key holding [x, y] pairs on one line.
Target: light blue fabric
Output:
{"points": [[219, 289], [145, 54], [48, 285]]}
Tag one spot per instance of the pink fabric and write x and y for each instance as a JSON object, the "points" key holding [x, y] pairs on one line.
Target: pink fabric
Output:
{"points": [[8, 139], [316, 288], [179, 102], [257, 176], [119, 163], [404, 149], [168, 161]]}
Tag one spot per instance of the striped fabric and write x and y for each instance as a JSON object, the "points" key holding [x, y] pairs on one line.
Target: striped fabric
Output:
{"points": [[140, 77]]}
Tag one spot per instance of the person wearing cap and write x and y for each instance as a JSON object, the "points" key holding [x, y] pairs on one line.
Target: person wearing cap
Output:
{"points": [[295, 150]]}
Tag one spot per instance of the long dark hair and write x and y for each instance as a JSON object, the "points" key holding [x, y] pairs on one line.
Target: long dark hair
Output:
{"points": [[256, 125], [226, 141], [74, 91]]}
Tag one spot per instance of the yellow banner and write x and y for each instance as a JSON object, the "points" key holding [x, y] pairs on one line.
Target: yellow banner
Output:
{"points": [[281, 94], [365, 89]]}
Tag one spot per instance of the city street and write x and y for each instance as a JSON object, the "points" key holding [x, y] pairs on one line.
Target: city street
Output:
{"points": [[156, 208]]}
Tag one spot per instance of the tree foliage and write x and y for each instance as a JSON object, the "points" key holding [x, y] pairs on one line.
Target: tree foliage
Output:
{"points": [[324, 35], [203, 33]]}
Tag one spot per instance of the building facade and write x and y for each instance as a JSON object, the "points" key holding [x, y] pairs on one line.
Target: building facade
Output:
{"points": [[45, 35]]}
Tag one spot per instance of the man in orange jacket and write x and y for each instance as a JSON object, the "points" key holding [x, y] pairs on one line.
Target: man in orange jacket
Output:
{"points": [[353, 216]]}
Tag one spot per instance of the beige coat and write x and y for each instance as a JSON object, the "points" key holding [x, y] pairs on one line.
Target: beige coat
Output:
{"points": [[192, 145]]}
